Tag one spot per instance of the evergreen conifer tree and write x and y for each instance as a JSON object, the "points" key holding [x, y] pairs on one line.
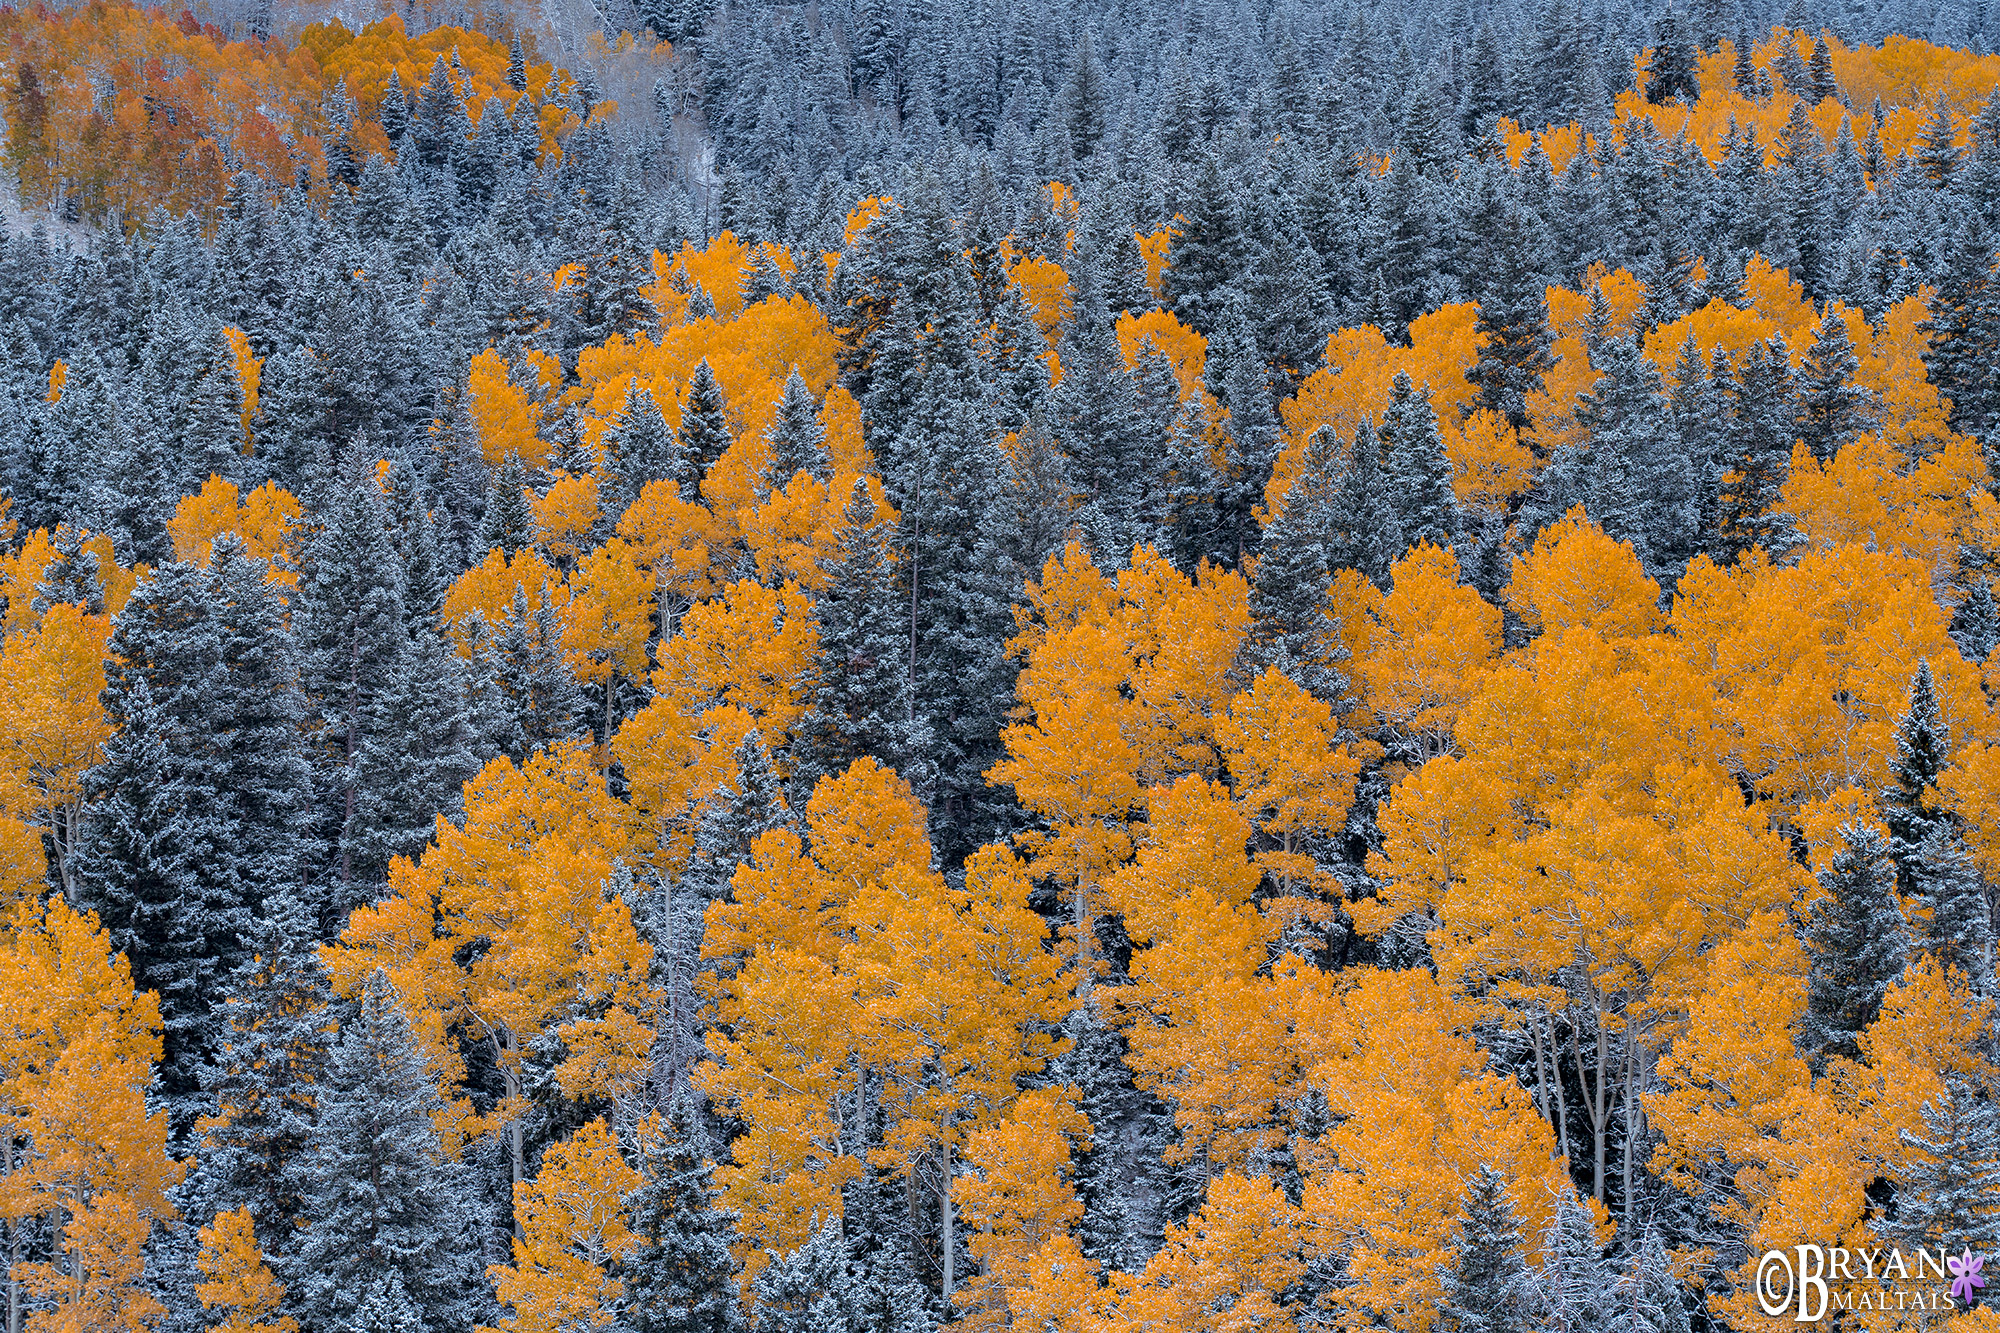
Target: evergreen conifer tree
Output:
{"points": [[1758, 457], [1975, 622], [1833, 410], [348, 614], [1958, 929], [640, 446], [807, 1290], [1365, 533], [418, 748], [509, 523], [1671, 71], [199, 810], [860, 699], [1858, 939], [1514, 317], [384, 1202], [1417, 476], [798, 443], [1923, 748], [680, 1276], [1290, 588], [1948, 1194], [276, 1031], [1649, 1296], [704, 430], [1488, 1288], [1576, 1282]]}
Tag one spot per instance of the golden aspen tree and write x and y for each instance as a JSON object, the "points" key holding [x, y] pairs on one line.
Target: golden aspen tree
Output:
{"points": [[786, 1057], [573, 1230], [490, 586], [1424, 650], [1204, 1029], [264, 519], [1414, 1115], [1018, 1203], [566, 518], [1292, 777], [752, 647], [240, 1284], [608, 621], [1122, 683], [530, 880], [52, 723], [1226, 1268], [74, 1068]]}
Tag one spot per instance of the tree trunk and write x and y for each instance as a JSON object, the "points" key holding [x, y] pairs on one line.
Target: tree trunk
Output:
{"points": [[946, 1224]]}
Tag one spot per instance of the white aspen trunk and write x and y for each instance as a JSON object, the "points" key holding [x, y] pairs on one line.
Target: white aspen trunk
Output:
{"points": [[512, 1083], [946, 1223], [1557, 1107]]}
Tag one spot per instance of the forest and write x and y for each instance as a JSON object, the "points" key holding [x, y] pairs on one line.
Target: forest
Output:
{"points": [[1247, 666]]}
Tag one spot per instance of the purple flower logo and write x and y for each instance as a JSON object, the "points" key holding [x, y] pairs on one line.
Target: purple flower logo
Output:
{"points": [[1965, 1275]]}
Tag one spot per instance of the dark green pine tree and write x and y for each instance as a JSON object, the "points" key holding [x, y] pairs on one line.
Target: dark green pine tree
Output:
{"points": [[153, 859], [210, 439], [808, 1290], [348, 615], [1515, 319], [529, 696], [1758, 457], [1016, 361], [1119, 1176], [459, 469], [72, 577], [1833, 411], [704, 429], [1975, 622], [414, 534], [640, 447], [199, 809], [1819, 73], [860, 698], [1209, 252], [1857, 939], [1639, 483], [1094, 413], [517, 66], [1576, 1282], [741, 810], [1364, 533], [680, 1276], [1948, 1195], [139, 497], [294, 421], [1910, 803], [1958, 925], [1238, 370], [1965, 330], [87, 433], [1488, 1288], [1671, 70], [1190, 509], [509, 522], [1650, 1297], [1291, 585], [269, 772], [796, 439], [1417, 474], [419, 747], [383, 1199], [276, 1032]]}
